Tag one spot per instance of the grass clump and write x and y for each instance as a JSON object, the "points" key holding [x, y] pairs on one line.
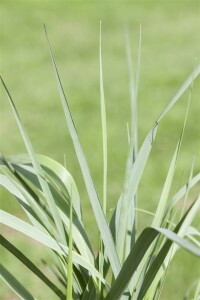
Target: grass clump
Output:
{"points": [[127, 265]]}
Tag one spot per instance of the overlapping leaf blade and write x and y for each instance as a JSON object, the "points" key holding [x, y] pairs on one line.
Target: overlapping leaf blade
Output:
{"points": [[32, 232], [26, 169], [26, 261], [14, 284], [139, 249]]}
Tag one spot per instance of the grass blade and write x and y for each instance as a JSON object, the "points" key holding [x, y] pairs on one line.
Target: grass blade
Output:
{"points": [[98, 212], [142, 157], [158, 219], [138, 166], [39, 172], [180, 92], [34, 213], [14, 284], [32, 232], [137, 253], [141, 247], [179, 231], [187, 191], [19, 255], [127, 223], [47, 164], [180, 194], [133, 88], [131, 263]]}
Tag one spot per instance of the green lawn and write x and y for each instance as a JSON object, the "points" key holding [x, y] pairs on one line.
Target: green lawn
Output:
{"points": [[170, 45]]}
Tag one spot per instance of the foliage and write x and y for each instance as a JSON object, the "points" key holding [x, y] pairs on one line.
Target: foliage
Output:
{"points": [[127, 265]]}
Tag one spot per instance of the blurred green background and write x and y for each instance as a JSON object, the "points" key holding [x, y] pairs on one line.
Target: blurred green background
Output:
{"points": [[170, 46]]}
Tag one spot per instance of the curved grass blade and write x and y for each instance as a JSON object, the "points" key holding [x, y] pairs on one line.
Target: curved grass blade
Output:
{"points": [[57, 172], [97, 209], [14, 284], [38, 170], [36, 210], [27, 229], [191, 233], [34, 213], [19, 255], [79, 234], [66, 181]]}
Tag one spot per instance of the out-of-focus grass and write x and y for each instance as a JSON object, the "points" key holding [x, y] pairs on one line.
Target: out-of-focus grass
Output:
{"points": [[170, 44]]}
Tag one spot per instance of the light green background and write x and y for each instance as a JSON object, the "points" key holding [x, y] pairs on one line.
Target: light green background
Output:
{"points": [[170, 45]]}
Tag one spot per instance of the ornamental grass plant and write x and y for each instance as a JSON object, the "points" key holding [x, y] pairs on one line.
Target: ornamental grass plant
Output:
{"points": [[127, 264]]}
